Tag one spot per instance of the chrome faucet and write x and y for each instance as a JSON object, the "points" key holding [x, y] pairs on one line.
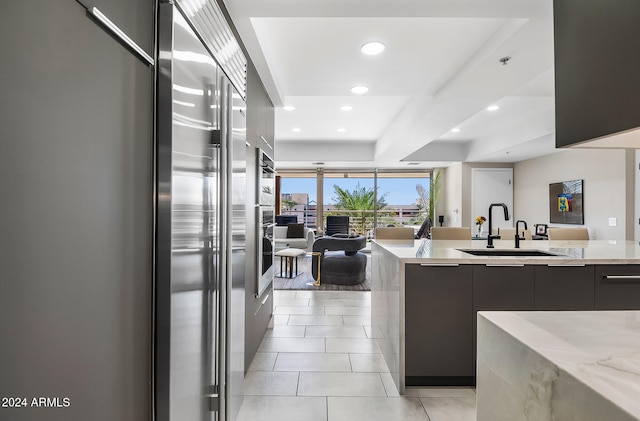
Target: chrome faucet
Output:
{"points": [[518, 238], [491, 237]]}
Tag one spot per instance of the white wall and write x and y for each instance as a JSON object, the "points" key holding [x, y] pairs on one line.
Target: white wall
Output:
{"points": [[451, 195], [466, 213], [608, 177]]}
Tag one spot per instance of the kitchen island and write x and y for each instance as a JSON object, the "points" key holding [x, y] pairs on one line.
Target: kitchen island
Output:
{"points": [[548, 366], [426, 294]]}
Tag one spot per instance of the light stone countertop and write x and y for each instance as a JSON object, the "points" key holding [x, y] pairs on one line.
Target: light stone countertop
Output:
{"points": [[599, 350], [577, 252]]}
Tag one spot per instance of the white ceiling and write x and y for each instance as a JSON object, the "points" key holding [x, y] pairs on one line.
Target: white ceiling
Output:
{"points": [[440, 70]]}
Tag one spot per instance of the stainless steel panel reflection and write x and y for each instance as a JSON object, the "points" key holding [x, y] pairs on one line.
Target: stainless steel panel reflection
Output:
{"points": [[236, 109], [203, 201], [189, 221]]}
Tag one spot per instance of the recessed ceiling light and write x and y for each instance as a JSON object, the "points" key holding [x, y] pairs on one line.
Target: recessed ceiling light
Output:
{"points": [[493, 108], [296, 130], [456, 130], [360, 89], [288, 108], [372, 48], [342, 130], [346, 108]]}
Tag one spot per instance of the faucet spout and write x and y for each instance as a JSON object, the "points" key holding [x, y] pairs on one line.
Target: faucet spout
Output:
{"points": [[491, 237], [518, 238]]}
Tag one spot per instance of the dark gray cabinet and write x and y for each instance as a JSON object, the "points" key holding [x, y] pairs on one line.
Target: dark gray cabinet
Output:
{"points": [[439, 325], [595, 67], [134, 18], [564, 287], [617, 287], [260, 114], [264, 118], [503, 288], [258, 310], [77, 165], [441, 305]]}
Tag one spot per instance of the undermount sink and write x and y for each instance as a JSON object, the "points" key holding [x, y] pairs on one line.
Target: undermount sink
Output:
{"points": [[508, 252]]}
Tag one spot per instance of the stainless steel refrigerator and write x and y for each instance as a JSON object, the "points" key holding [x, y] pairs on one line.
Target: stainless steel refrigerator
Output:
{"points": [[200, 227]]}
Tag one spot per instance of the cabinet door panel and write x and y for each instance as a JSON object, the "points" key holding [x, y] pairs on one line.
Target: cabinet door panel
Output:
{"points": [[564, 288], [134, 18], [503, 288], [438, 323], [617, 287]]}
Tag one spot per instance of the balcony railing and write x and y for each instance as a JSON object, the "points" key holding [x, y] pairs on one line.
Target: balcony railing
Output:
{"points": [[361, 221]]}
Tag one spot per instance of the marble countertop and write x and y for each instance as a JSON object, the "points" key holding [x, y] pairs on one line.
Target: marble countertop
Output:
{"points": [[600, 349], [566, 252]]}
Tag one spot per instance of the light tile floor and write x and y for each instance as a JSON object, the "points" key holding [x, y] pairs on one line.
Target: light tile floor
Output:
{"points": [[318, 362]]}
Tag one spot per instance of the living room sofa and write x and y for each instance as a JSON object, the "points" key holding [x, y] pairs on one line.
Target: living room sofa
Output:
{"points": [[281, 240]]}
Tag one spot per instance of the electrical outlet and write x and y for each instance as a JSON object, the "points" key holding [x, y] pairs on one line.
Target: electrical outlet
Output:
{"points": [[613, 222]]}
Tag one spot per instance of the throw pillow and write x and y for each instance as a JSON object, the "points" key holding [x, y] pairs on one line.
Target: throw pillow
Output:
{"points": [[295, 230]]}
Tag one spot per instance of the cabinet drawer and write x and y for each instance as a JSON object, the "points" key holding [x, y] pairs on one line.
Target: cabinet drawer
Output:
{"points": [[617, 287], [503, 288], [564, 288]]}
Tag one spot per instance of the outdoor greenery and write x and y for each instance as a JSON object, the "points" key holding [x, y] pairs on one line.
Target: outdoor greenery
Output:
{"points": [[423, 200], [427, 202], [360, 198], [435, 193], [289, 204]]}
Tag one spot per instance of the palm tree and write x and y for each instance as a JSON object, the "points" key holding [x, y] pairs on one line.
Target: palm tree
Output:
{"points": [[435, 192], [289, 204], [360, 198], [427, 199]]}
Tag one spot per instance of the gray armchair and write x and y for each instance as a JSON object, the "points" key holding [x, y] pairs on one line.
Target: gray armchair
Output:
{"points": [[340, 261]]}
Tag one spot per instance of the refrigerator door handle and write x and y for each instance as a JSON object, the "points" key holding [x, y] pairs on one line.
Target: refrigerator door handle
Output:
{"points": [[119, 33]]}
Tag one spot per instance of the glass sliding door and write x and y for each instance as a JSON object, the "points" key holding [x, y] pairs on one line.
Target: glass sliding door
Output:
{"points": [[370, 198], [407, 198], [298, 197], [352, 194]]}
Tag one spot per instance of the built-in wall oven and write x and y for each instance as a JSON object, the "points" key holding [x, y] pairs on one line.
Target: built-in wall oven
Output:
{"points": [[265, 220], [266, 179]]}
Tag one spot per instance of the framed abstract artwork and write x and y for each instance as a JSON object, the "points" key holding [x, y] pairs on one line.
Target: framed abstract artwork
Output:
{"points": [[566, 204]]}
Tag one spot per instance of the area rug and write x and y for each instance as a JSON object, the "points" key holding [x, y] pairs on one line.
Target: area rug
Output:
{"points": [[302, 281]]}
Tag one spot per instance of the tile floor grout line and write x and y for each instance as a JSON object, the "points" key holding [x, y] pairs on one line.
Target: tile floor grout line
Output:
{"points": [[326, 400], [383, 385], [440, 407]]}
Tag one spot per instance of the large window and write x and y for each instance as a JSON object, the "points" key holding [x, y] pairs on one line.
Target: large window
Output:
{"points": [[406, 196], [353, 195], [369, 198], [298, 196]]}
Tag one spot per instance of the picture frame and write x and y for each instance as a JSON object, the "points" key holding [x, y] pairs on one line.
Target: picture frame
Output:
{"points": [[566, 200], [541, 229]]}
